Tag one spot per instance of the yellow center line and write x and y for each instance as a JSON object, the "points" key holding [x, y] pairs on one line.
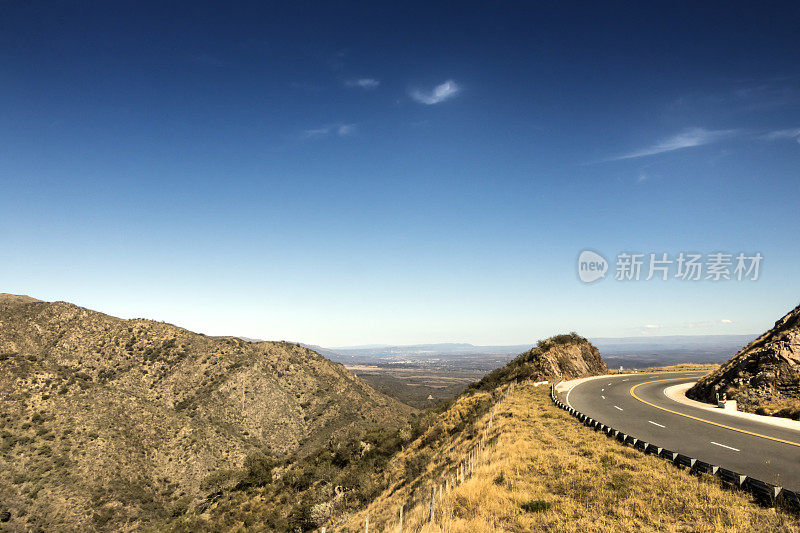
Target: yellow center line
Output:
{"points": [[633, 393]]}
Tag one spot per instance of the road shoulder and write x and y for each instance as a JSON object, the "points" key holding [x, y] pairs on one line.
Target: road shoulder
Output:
{"points": [[677, 393]]}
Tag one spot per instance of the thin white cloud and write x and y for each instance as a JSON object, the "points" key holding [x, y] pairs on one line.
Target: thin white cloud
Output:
{"points": [[686, 139], [783, 134], [649, 330], [707, 323], [316, 132], [345, 129], [340, 130], [363, 83], [440, 93]]}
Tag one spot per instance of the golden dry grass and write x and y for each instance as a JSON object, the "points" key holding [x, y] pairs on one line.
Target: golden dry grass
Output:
{"points": [[582, 481]]}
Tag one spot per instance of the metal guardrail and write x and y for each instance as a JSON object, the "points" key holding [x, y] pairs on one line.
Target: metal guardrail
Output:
{"points": [[765, 493]]}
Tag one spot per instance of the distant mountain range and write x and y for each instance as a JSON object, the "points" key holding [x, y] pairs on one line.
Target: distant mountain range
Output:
{"points": [[624, 351]]}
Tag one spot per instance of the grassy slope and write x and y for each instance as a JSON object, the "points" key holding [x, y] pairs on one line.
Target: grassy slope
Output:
{"points": [[585, 481]]}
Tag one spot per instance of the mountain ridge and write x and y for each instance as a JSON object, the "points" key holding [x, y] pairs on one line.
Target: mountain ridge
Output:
{"points": [[108, 421]]}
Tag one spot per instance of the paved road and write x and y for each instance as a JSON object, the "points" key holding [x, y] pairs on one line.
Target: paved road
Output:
{"points": [[636, 404]]}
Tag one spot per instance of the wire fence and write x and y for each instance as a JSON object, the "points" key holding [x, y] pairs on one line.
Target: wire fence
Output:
{"points": [[428, 498]]}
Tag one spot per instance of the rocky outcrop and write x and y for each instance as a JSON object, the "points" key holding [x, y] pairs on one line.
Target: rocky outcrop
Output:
{"points": [[764, 376], [568, 356]]}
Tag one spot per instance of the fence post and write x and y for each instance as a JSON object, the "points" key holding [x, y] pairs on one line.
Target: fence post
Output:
{"points": [[433, 500], [366, 524], [401, 518]]}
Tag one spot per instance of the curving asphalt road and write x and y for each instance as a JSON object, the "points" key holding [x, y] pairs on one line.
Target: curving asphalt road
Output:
{"points": [[636, 404]]}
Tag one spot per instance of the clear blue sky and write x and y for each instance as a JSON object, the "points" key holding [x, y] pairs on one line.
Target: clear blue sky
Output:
{"points": [[353, 173]]}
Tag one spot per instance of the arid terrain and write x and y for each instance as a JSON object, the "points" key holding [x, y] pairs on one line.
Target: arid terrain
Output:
{"points": [[108, 422], [764, 377], [111, 424]]}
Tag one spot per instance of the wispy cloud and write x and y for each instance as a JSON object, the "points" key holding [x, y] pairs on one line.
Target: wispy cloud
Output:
{"points": [[440, 93], [649, 329], [339, 130], [316, 132], [363, 83], [686, 139], [345, 129], [783, 134], [707, 323]]}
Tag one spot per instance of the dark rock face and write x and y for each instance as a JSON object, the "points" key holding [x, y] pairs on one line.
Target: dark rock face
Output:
{"points": [[764, 376]]}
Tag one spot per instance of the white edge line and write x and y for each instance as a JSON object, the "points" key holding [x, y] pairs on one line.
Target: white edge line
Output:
{"points": [[723, 446]]}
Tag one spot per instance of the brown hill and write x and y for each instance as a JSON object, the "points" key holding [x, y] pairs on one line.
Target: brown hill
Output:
{"points": [[764, 376], [337, 482], [110, 424], [568, 356]]}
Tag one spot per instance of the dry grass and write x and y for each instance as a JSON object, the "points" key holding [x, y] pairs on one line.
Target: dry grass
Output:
{"points": [[546, 472]]}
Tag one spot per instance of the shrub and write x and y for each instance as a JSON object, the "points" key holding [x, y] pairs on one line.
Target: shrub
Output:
{"points": [[536, 506], [220, 480], [258, 469], [415, 465]]}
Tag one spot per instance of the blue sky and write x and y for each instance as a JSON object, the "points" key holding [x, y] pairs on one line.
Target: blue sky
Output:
{"points": [[374, 173]]}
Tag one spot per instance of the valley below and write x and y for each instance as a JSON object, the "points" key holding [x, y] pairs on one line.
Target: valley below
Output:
{"points": [[137, 425]]}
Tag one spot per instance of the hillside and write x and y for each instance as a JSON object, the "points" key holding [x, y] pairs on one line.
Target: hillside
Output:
{"points": [[537, 469], [763, 377], [562, 356], [110, 424], [540, 470]]}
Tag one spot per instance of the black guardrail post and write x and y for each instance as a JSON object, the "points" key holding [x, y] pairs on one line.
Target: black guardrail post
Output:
{"points": [[764, 492]]}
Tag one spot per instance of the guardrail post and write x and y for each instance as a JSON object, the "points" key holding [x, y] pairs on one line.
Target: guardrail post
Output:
{"points": [[433, 500]]}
